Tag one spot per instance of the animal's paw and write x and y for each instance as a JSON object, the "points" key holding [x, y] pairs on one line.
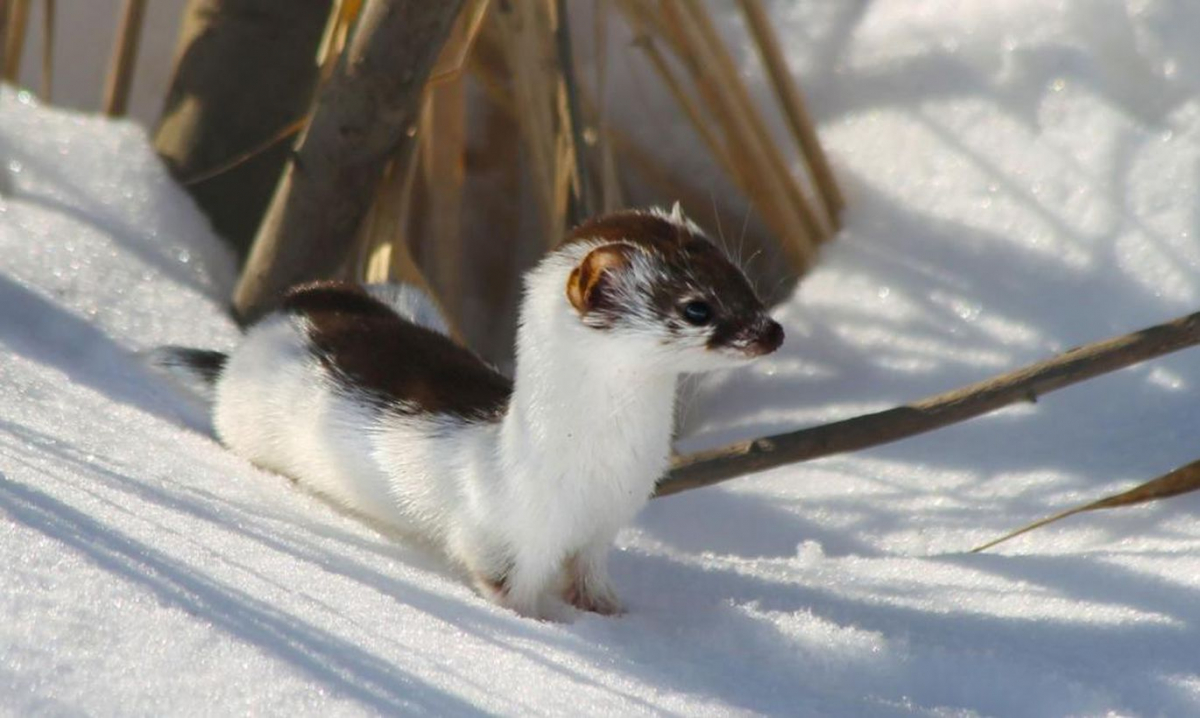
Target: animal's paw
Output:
{"points": [[593, 599]]}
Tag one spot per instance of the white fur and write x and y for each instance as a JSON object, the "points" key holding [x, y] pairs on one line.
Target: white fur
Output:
{"points": [[576, 455]]}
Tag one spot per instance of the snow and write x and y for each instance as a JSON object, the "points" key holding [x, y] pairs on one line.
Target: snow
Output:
{"points": [[1021, 179]]}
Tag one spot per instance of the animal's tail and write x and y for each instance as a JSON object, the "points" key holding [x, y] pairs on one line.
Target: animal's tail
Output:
{"points": [[196, 369]]}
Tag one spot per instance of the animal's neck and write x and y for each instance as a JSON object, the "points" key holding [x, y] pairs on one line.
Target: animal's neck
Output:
{"points": [[579, 407]]}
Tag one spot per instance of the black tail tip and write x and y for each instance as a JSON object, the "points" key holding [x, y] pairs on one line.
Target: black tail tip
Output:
{"points": [[206, 364]]}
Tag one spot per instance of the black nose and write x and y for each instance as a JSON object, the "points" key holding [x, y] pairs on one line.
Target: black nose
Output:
{"points": [[769, 338]]}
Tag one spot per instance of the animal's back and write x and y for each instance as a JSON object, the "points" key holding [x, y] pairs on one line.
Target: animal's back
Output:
{"points": [[311, 388]]}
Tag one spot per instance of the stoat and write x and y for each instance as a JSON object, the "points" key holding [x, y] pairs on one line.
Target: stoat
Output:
{"points": [[358, 394]]}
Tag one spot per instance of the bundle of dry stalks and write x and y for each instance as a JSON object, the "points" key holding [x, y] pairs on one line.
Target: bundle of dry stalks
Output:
{"points": [[574, 158]]}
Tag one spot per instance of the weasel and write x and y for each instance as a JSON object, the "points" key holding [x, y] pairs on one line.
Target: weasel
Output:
{"points": [[357, 393]]}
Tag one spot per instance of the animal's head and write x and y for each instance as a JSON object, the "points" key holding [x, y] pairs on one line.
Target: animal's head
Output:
{"points": [[655, 282]]}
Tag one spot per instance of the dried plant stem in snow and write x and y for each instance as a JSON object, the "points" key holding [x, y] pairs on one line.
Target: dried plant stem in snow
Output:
{"points": [[14, 45], [794, 109], [710, 467], [48, 15], [1180, 481], [120, 70]]}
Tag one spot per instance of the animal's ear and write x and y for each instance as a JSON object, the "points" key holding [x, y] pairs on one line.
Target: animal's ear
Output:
{"points": [[677, 213], [590, 282]]}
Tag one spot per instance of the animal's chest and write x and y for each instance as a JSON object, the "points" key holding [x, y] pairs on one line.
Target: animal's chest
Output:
{"points": [[601, 478]]}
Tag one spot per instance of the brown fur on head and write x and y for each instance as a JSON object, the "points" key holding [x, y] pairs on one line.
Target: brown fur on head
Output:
{"points": [[658, 274]]}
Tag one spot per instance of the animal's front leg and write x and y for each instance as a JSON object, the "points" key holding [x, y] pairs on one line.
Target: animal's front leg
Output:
{"points": [[588, 586]]}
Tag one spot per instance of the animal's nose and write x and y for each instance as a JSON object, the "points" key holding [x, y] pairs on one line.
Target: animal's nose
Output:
{"points": [[769, 337]]}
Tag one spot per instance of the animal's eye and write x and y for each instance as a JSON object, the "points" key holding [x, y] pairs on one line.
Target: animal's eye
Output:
{"points": [[697, 313]]}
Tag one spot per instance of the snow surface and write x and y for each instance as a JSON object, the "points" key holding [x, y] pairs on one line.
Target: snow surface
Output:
{"points": [[1021, 177]]}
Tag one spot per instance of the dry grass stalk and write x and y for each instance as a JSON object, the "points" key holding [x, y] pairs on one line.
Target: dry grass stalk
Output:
{"points": [[489, 68], [711, 70], [794, 110], [610, 195], [120, 70], [48, 17], [498, 200], [14, 45], [1183, 480], [337, 33], [385, 253], [699, 122], [524, 35], [288, 132], [747, 153], [4, 7], [458, 49], [705, 207], [443, 132], [387, 256], [759, 134], [583, 201]]}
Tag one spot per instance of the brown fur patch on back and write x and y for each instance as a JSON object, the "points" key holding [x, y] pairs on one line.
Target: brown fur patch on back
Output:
{"points": [[369, 347]]}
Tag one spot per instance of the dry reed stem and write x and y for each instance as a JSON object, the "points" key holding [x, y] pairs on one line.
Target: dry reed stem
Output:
{"points": [[609, 183], [443, 145], [14, 46], [566, 179], [583, 204], [1027, 384], [385, 255], [794, 110], [645, 15], [1183, 480], [500, 252], [48, 17], [612, 197], [699, 122], [288, 132], [458, 50], [489, 67], [754, 168], [523, 38], [4, 8], [337, 33], [696, 203], [759, 134], [120, 69]]}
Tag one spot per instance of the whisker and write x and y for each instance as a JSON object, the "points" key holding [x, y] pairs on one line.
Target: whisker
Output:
{"points": [[724, 244]]}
